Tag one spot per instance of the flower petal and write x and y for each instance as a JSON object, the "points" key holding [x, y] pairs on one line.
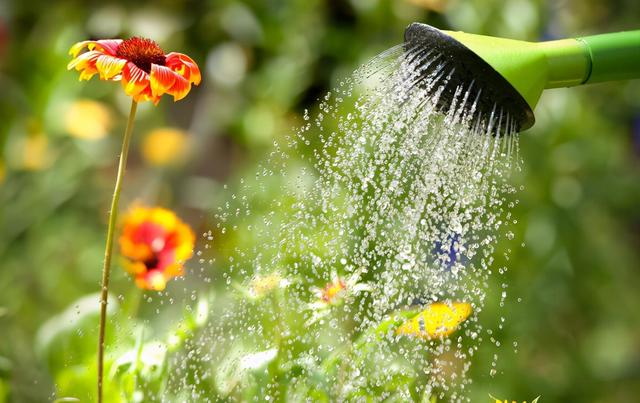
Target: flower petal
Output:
{"points": [[109, 66], [78, 47], [173, 270], [184, 241], [134, 250], [185, 66], [135, 267], [85, 64], [84, 60], [146, 95], [162, 78], [437, 320], [152, 280], [134, 80], [87, 73], [163, 217], [180, 88], [106, 46]]}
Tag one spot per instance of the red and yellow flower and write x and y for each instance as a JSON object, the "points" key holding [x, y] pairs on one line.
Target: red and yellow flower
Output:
{"points": [[145, 70], [333, 290], [335, 293], [156, 244]]}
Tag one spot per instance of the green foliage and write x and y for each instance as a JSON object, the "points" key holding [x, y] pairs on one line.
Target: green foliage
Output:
{"points": [[136, 366]]}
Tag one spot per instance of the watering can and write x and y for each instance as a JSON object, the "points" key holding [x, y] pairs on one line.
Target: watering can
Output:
{"points": [[512, 74]]}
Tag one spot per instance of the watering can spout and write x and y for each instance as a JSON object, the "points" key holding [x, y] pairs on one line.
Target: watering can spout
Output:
{"points": [[526, 69]]}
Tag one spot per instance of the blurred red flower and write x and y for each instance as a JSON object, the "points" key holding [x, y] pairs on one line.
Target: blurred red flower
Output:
{"points": [[156, 243], [145, 71]]}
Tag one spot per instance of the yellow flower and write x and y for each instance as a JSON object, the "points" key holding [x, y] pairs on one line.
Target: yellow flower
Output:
{"points": [[35, 152], [435, 5], [164, 146], [437, 320], [87, 119], [3, 171]]}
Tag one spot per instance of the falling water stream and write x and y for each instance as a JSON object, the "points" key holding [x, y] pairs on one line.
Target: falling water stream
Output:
{"points": [[398, 203]]}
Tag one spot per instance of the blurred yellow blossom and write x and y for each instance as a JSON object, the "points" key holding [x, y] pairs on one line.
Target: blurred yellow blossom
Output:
{"points": [[87, 119], [262, 285], [165, 146], [435, 5], [437, 320], [34, 152]]}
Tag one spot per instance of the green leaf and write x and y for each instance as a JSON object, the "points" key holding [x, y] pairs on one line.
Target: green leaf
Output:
{"points": [[70, 337]]}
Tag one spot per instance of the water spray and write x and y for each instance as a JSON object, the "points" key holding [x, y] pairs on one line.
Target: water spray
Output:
{"points": [[510, 75]]}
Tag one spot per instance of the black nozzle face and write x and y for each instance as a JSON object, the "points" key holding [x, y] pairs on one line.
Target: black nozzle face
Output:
{"points": [[497, 95]]}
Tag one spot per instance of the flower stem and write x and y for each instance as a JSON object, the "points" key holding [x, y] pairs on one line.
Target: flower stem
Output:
{"points": [[113, 215]]}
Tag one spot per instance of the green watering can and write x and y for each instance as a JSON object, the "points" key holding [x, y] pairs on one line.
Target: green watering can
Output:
{"points": [[512, 74]]}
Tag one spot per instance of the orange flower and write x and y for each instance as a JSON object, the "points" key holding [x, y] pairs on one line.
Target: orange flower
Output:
{"points": [[157, 244], [145, 71]]}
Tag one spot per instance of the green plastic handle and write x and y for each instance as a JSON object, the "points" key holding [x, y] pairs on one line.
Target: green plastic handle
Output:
{"points": [[613, 56], [531, 67]]}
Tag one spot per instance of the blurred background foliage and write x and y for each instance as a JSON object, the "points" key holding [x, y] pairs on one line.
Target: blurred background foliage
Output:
{"points": [[572, 328]]}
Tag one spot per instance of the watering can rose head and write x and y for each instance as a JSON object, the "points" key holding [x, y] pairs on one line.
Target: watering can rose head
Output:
{"points": [[156, 244], [145, 70]]}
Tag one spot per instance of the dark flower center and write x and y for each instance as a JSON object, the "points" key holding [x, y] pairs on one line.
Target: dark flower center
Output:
{"points": [[142, 52], [152, 262]]}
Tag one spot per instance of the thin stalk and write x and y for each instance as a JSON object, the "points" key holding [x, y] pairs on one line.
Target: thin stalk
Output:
{"points": [[113, 215]]}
